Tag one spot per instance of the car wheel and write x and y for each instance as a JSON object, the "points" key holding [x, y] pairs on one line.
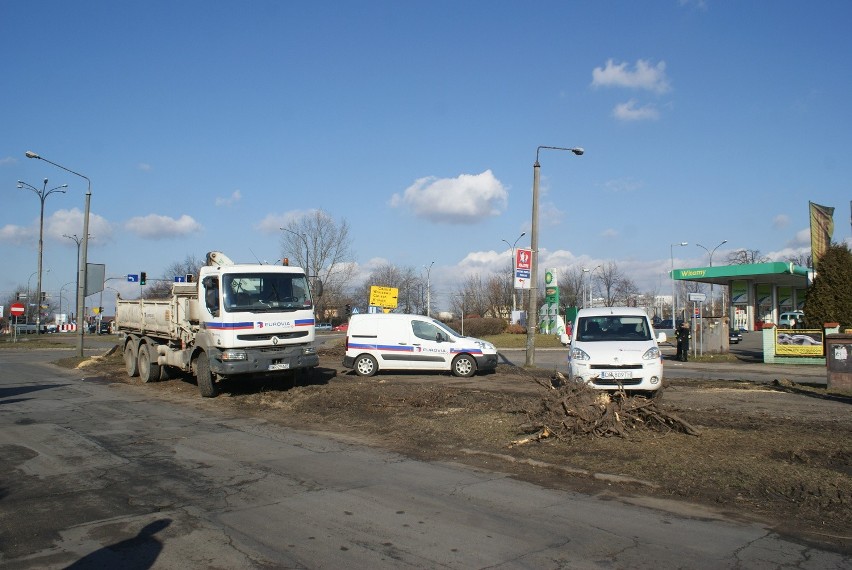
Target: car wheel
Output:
{"points": [[149, 370], [366, 365], [464, 365]]}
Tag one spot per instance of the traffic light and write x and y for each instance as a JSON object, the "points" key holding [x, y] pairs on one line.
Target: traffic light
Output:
{"points": [[348, 309], [142, 277]]}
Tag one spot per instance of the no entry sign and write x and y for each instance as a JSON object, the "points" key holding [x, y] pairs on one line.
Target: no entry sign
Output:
{"points": [[16, 309]]}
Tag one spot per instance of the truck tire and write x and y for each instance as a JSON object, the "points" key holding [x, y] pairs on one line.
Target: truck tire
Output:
{"points": [[464, 365], [206, 383], [130, 362], [149, 370], [366, 365]]}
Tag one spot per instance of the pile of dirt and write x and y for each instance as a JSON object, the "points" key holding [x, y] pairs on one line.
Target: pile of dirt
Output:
{"points": [[778, 454]]}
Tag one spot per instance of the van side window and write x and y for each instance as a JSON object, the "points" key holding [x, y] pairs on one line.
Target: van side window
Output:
{"points": [[427, 331]]}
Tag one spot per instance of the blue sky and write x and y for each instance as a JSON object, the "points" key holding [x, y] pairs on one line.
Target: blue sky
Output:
{"points": [[207, 125]]}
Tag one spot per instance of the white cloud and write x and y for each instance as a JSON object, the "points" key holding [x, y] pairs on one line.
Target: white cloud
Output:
{"points": [[620, 185], [273, 223], [57, 226], [235, 197], [609, 233], [630, 111], [144, 166], [8, 161], [154, 226], [644, 76], [780, 221], [466, 199]]}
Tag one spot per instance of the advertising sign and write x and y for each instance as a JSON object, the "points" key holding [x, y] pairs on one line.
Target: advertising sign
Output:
{"points": [[523, 266], [800, 342], [739, 292]]}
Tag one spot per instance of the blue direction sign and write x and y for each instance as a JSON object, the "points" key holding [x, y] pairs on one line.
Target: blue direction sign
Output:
{"points": [[180, 279], [132, 278]]}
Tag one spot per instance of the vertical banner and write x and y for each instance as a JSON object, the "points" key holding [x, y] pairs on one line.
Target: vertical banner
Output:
{"points": [[822, 228], [523, 266]]}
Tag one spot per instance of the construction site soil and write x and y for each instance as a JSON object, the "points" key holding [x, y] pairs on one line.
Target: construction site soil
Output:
{"points": [[776, 453]]}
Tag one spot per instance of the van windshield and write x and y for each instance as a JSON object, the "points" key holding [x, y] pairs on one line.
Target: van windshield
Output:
{"points": [[612, 328]]}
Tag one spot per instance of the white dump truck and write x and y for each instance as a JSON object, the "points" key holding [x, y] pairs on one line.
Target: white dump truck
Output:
{"points": [[232, 320]]}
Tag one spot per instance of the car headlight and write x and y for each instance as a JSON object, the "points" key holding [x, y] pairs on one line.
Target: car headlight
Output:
{"points": [[484, 345], [231, 355], [651, 354], [578, 354], [309, 350]]}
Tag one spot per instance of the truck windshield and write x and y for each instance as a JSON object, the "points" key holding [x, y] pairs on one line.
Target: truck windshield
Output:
{"points": [[265, 292], [612, 327]]}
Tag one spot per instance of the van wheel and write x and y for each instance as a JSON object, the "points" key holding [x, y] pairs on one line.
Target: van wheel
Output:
{"points": [[130, 363], [366, 365], [464, 365]]}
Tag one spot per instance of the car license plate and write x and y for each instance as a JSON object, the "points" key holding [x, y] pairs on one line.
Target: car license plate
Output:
{"points": [[279, 366], [616, 374]]}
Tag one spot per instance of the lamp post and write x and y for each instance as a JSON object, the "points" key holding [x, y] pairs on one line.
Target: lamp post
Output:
{"points": [[77, 241], [84, 259], [29, 298], [532, 312], [42, 196], [307, 250], [429, 290], [674, 298], [61, 289], [588, 285], [710, 253], [512, 280]]}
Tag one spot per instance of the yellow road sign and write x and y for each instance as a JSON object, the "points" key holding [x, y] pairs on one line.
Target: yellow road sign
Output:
{"points": [[384, 296]]}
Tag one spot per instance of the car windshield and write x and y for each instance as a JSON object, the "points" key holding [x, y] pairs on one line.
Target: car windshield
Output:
{"points": [[265, 292], [613, 328]]}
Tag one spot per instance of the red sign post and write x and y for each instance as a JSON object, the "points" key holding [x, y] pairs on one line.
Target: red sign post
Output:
{"points": [[16, 309]]}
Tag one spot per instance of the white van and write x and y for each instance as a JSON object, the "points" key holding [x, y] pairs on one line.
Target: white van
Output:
{"points": [[412, 342], [792, 319], [616, 347]]}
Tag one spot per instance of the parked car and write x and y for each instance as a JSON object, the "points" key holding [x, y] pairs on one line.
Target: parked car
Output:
{"points": [[323, 326], [734, 336], [343, 327], [792, 319], [378, 341]]}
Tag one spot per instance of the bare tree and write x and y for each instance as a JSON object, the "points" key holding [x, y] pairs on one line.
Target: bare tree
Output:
{"points": [[802, 260], [404, 279], [471, 298], [571, 287], [322, 246], [746, 256], [162, 288]]}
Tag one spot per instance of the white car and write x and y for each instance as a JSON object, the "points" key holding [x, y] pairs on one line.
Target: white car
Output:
{"points": [[616, 348], [790, 319], [323, 326]]}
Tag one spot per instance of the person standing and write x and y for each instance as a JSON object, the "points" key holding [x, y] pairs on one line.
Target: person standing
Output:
{"points": [[683, 334]]}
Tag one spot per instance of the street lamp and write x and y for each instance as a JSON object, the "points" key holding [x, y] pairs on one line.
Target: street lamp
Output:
{"points": [[61, 289], [512, 280], [307, 250], [84, 260], [674, 298], [77, 241], [42, 196], [710, 253], [429, 290], [532, 313], [589, 285]]}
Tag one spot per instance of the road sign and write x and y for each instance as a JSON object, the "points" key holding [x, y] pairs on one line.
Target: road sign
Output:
{"points": [[386, 297], [131, 278], [180, 279], [16, 309], [697, 297]]}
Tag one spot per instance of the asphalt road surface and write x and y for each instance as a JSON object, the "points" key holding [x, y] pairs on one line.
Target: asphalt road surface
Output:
{"points": [[98, 475]]}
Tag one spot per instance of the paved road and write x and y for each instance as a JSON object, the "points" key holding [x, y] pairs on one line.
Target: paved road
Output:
{"points": [[97, 475]]}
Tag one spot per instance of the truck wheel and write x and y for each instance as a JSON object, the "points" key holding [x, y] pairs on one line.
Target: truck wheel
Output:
{"points": [[130, 363], [206, 384], [366, 365], [464, 365], [149, 370]]}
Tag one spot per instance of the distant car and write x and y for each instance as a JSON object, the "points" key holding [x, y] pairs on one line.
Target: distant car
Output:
{"points": [[323, 326], [792, 319], [665, 324], [735, 336], [341, 328]]}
